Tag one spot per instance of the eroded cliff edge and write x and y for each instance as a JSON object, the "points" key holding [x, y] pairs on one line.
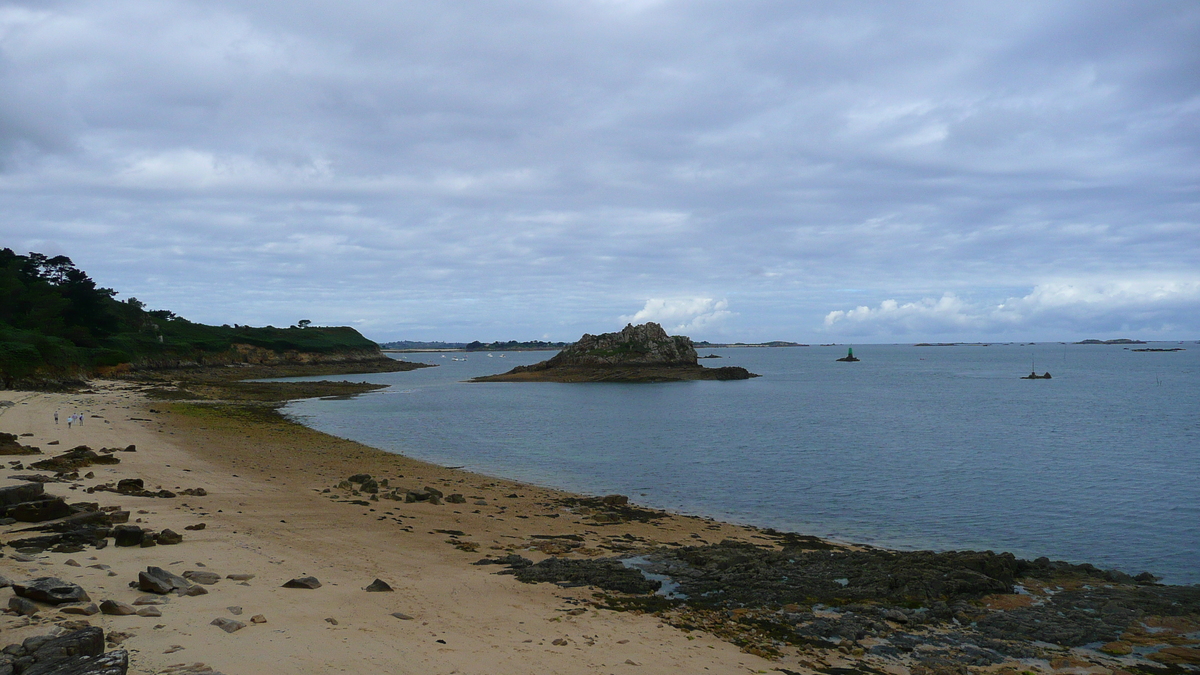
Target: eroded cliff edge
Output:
{"points": [[643, 353]]}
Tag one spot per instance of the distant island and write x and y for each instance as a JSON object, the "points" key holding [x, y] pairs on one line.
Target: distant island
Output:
{"points": [[726, 345], [642, 353], [1118, 341], [476, 346]]}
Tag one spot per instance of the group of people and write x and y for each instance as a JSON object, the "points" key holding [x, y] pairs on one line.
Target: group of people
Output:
{"points": [[76, 418]]}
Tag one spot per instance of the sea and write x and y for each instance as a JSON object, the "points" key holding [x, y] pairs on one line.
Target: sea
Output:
{"points": [[912, 447]]}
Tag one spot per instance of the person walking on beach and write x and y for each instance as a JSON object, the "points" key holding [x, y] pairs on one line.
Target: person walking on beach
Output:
{"points": [[56, 417], [69, 420]]}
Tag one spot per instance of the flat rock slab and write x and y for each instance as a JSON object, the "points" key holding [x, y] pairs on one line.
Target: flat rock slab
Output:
{"points": [[89, 609], [303, 582], [51, 590], [227, 625], [202, 577], [151, 600], [113, 663]]}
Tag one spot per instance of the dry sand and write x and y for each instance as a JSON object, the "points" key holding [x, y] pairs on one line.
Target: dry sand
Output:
{"points": [[265, 515]]}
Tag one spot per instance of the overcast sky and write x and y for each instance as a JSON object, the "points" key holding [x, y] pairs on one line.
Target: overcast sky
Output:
{"points": [[811, 171]]}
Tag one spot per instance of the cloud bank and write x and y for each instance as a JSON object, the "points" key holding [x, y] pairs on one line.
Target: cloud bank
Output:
{"points": [[1147, 308], [511, 169]]}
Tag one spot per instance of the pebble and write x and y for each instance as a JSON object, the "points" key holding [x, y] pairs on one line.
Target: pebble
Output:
{"points": [[303, 582], [71, 562], [149, 611], [234, 610], [402, 615], [239, 577], [331, 621], [258, 618]]}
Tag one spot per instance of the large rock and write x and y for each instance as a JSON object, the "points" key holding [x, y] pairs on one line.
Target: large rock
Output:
{"points": [[128, 535], [647, 344], [303, 582], [642, 353], [79, 652], [15, 494], [40, 510], [9, 445], [51, 590], [158, 580]]}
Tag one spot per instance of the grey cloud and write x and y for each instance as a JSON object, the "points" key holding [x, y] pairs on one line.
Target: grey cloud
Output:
{"points": [[511, 169]]}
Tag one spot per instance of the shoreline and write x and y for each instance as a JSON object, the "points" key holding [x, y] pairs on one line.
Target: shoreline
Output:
{"points": [[274, 509]]}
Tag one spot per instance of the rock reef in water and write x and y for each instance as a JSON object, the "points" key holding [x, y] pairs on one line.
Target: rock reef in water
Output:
{"points": [[642, 353]]}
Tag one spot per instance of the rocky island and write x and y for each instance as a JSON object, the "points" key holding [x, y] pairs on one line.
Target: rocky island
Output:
{"points": [[642, 353]]}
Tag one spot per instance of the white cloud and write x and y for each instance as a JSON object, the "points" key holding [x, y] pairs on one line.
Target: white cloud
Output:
{"points": [[1143, 307], [681, 315]]}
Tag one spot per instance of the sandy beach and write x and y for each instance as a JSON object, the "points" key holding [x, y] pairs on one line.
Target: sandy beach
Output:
{"points": [[265, 514]]}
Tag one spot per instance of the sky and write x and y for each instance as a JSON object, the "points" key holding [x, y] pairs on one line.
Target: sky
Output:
{"points": [[737, 171]]}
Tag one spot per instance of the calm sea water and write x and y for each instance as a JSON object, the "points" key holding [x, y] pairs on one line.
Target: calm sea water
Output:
{"points": [[913, 447]]}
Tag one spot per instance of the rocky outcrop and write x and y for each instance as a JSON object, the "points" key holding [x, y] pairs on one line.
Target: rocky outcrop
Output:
{"points": [[642, 353]]}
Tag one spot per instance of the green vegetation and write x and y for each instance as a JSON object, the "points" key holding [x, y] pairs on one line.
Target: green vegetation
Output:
{"points": [[57, 324]]}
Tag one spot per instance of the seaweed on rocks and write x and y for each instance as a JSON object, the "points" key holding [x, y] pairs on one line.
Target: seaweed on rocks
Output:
{"points": [[610, 510], [738, 574], [605, 573]]}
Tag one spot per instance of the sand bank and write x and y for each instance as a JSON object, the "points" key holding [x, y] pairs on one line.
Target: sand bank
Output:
{"points": [[265, 515]]}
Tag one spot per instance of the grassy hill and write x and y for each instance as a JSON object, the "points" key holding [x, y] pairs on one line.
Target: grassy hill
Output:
{"points": [[57, 324]]}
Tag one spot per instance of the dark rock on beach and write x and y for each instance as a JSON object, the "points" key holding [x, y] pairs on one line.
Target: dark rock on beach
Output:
{"points": [[158, 580], [303, 582], [378, 586], [9, 445], [79, 652], [75, 458], [128, 535], [642, 353], [50, 590]]}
